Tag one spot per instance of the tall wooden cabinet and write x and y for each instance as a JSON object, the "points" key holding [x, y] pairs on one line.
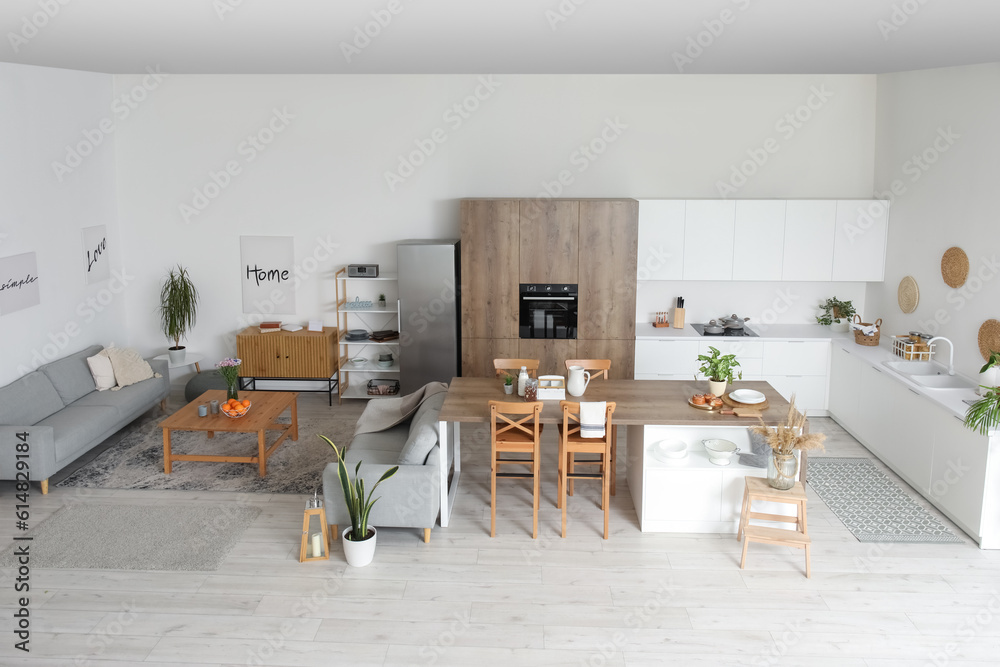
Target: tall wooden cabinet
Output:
{"points": [[590, 242]]}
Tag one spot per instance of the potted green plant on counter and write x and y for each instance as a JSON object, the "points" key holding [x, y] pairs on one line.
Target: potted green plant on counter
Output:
{"points": [[178, 310], [984, 415], [359, 538], [836, 314], [989, 375], [381, 300], [508, 383], [718, 368]]}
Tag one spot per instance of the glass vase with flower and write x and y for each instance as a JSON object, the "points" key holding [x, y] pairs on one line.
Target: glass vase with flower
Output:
{"points": [[784, 439], [229, 368]]}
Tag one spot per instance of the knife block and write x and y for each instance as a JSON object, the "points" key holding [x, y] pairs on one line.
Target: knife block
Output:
{"points": [[678, 318]]}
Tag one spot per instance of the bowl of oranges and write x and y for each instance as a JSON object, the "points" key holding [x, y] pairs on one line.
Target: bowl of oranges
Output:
{"points": [[234, 408]]}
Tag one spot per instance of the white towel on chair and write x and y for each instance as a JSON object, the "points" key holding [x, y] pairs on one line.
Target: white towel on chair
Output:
{"points": [[592, 419]]}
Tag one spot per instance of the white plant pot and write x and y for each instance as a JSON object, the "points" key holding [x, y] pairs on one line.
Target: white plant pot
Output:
{"points": [[176, 355], [716, 388], [991, 378], [359, 554], [840, 326], [508, 389]]}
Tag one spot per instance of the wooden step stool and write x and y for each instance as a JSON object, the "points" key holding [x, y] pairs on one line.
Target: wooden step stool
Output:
{"points": [[757, 488]]}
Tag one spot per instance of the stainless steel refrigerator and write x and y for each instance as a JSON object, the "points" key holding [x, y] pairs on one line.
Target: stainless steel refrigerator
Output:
{"points": [[429, 312]]}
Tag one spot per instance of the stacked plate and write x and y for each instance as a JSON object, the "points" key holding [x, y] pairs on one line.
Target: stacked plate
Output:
{"points": [[670, 451], [747, 396], [356, 334]]}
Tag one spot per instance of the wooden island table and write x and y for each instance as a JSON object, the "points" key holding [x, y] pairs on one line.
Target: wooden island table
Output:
{"points": [[652, 410]]}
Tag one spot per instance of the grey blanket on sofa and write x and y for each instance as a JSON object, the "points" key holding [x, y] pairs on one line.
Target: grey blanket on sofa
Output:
{"points": [[384, 413]]}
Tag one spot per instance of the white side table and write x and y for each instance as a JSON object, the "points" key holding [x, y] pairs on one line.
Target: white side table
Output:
{"points": [[190, 359]]}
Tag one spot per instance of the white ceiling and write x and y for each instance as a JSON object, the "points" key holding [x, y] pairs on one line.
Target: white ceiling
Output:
{"points": [[502, 36]]}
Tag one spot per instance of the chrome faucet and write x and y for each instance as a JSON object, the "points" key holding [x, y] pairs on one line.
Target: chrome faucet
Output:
{"points": [[951, 353]]}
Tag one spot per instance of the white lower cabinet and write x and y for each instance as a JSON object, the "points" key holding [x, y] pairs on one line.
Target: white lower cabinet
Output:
{"points": [[800, 369], [845, 387], [666, 357], [809, 390], [908, 448], [958, 474]]}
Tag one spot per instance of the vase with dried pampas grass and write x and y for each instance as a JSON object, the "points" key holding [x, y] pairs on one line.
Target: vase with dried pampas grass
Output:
{"points": [[784, 439]]}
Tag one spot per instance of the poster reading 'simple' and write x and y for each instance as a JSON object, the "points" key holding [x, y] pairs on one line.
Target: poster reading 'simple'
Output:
{"points": [[268, 274], [95, 250], [18, 283]]}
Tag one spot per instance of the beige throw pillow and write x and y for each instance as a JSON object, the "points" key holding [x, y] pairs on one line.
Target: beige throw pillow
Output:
{"points": [[129, 367], [101, 369]]}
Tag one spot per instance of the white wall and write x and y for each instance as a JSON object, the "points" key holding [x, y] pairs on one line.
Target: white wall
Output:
{"points": [[323, 175], [44, 114], [950, 203]]}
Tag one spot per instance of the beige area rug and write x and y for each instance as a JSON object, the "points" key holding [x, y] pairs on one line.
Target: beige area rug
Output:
{"points": [[135, 537], [136, 460]]}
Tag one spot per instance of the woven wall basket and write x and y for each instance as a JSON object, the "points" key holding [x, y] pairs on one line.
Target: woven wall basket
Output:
{"points": [[954, 267], [908, 294], [989, 338]]}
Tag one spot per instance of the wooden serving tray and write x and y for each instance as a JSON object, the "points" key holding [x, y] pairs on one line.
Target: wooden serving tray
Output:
{"points": [[753, 406]]}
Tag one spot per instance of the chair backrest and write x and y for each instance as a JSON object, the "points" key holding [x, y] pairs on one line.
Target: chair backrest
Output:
{"points": [[571, 418], [513, 366], [503, 419], [597, 367]]}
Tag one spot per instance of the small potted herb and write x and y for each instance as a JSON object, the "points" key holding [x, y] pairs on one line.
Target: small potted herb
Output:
{"points": [[381, 300], [718, 368], [508, 383], [836, 314]]}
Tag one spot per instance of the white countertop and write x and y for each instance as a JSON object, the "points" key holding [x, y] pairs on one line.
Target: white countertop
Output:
{"points": [[646, 331], [951, 400]]}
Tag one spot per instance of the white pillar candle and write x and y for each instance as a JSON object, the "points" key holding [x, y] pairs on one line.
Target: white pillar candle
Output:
{"points": [[316, 550]]}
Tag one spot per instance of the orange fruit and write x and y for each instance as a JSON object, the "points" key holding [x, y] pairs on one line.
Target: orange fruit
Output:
{"points": [[245, 403]]}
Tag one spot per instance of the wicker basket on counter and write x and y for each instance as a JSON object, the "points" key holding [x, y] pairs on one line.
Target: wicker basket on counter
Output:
{"points": [[862, 339], [904, 346]]}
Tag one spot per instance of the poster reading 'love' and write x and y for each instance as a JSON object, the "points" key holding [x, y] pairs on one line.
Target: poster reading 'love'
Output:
{"points": [[18, 283], [95, 250]]}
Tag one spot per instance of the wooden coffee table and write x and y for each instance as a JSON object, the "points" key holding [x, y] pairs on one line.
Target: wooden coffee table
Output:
{"points": [[266, 407]]}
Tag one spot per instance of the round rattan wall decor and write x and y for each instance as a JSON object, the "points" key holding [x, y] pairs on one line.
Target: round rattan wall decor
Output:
{"points": [[989, 338], [908, 294], [954, 267]]}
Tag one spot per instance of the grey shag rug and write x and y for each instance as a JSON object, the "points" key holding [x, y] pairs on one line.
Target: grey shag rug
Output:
{"points": [[135, 537], [136, 460], [870, 504]]}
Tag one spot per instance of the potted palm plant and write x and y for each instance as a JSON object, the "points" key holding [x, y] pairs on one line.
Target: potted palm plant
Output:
{"points": [[984, 415], [178, 310], [359, 538], [836, 314], [718, 368]]}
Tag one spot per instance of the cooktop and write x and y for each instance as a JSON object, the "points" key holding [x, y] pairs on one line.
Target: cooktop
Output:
{"points": [[744, 331]]}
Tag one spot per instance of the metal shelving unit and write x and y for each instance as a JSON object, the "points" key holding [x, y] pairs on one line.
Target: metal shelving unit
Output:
{"points": [[371, 319]]}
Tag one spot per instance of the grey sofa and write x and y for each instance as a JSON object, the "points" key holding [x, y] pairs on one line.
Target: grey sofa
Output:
{"points": [[65, 416], [409, 499]]}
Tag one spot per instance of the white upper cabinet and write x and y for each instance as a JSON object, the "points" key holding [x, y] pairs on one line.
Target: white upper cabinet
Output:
{"points": [[758, 247], [859, 246], [808, 248], [661, 239], [708, 239]]}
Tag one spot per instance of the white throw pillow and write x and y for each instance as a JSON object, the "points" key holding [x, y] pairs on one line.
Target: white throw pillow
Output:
{"points": [[128, 365], [103, 372]]}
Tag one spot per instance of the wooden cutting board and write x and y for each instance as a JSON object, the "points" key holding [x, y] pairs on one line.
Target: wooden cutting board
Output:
{"points": [[758, 407]]}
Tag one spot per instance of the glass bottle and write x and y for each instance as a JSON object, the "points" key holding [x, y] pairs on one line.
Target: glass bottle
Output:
{"points": [[521, 379]]}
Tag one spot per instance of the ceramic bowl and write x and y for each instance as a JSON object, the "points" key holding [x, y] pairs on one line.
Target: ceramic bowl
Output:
{"points": [[358, 361], [383, 363], [669, 451], [720, 452]]}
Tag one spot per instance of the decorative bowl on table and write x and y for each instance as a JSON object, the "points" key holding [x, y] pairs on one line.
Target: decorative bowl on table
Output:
{"points": [[720, 452], [235, 409]]}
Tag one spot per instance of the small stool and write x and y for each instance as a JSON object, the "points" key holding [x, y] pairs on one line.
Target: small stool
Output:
{"points": [[202, 382], [757, 488]]}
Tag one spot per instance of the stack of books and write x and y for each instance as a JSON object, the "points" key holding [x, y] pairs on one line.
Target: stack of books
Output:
{"points": [[268, 327], [384, 335]]}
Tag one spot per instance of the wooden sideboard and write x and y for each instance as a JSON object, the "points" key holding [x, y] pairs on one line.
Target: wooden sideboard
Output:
{"points": [[289, 355]]}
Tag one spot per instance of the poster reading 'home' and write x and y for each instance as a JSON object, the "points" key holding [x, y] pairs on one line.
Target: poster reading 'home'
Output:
{"points": [[268, 274], [18, 283]]}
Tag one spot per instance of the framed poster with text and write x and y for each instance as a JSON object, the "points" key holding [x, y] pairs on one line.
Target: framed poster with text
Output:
{"points": [[268, 274], [18, 283]]}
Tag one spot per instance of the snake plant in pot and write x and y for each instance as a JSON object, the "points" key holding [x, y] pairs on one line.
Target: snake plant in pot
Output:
{"points": [[359, 539], [178, 310]]}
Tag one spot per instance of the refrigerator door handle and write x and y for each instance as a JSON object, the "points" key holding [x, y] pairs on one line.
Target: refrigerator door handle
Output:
{"points": [[399, 315]]}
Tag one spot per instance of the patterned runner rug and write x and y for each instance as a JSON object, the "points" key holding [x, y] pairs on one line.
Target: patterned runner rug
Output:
{"points": [[870, 504]]}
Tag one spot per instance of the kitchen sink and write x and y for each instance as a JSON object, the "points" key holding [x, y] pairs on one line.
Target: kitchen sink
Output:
{"points": [[942, 381], [914, 368]]}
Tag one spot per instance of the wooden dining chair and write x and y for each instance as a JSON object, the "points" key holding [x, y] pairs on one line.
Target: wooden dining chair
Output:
{"points": [[515, 429], [513, 366], [571, 443], [598, 368]]}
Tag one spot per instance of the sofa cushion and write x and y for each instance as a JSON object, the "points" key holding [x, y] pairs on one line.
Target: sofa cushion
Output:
{"points": [[423, 433], [103, 372], [377, 447], [128, 365], [30, 399], [75, 428], [71, 375]]}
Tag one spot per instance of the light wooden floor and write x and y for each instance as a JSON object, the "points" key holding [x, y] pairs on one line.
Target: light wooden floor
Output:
{"points": [[466, 599]]}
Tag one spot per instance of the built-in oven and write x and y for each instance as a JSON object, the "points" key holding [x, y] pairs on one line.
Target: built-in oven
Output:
{"points": [[548, 310]]}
